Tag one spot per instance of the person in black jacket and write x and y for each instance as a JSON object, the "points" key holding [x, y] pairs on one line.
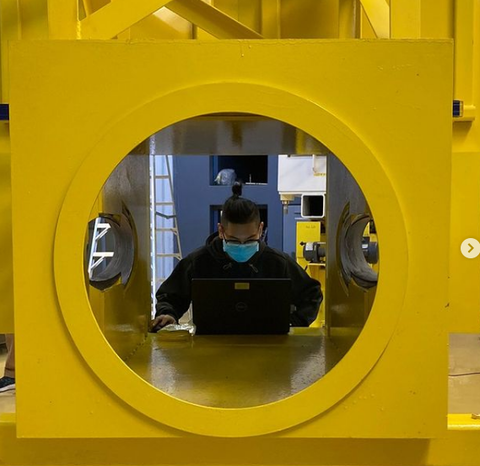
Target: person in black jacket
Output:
{"points": [[236, 252]]}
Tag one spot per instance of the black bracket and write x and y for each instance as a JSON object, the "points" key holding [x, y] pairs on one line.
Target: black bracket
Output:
{"points": [[4, 112]]}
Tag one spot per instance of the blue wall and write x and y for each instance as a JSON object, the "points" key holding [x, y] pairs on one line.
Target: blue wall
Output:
{"points": [[194, 196]]}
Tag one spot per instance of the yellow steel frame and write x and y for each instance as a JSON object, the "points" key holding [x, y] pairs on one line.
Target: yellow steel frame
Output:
{"points": [[346, 391], [393, 419], [458, 447], [405, 18], [464, 39], [116, 17], [377, 12]]}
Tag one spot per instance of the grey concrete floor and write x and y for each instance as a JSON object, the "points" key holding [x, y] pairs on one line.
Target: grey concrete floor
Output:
{"points": [[464, 379]]}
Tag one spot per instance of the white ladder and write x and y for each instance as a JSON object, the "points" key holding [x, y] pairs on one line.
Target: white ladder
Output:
{"points": [[165, 222]]}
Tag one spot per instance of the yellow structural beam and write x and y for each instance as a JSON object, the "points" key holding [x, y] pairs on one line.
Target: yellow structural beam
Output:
{"points": [[378, 14], [116, 17], [347, 19], [464, 292], [465, 214], [212, 20], [406, 332], [91, 6], [459, 447], [34, 19], [463, 70], [62, 19], [405, 16], [9, 30], [271, 18], [6, 271]]}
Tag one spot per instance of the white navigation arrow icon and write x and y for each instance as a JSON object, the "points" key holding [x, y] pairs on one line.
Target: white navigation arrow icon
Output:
{"points": [[470, 248]]}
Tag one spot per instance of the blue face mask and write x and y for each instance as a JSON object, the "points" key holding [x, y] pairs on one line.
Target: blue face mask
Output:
{"points": [[240, 252]]}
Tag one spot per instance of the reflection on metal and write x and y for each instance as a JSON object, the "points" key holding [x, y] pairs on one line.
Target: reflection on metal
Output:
{"points": [[353, 264], [350, 287], [285, 365], [120, 260], [235, 134], [370, 250], [96, 257]]}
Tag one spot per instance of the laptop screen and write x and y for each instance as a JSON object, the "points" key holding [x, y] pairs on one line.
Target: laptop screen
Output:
{"points": [[231, 306]]}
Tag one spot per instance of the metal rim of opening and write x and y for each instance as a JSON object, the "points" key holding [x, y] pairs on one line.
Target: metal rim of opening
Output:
{"points": [[164, 111]]}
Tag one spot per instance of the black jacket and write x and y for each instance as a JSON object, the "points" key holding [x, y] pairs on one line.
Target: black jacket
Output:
{"points": [[210, 261]]}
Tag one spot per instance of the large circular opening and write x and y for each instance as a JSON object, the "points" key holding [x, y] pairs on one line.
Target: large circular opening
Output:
{"points": [[162, 205]]}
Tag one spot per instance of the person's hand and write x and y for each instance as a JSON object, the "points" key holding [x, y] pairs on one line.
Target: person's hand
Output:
{"points": [[160, 321]]}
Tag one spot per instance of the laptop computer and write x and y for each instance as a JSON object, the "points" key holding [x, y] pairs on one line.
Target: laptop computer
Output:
{"points": [[236, 306]]}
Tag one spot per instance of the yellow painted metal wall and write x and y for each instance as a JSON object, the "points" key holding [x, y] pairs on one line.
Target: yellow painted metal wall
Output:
{"points": [[408, 301]]}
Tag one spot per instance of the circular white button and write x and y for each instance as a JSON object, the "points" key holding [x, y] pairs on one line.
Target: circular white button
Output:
{"points": [[470, 248]]}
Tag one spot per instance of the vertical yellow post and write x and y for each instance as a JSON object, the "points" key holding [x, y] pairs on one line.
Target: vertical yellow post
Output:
{"points": [[63, 19], [34, 19], [405, 16], [270, 19], [124, 35], [347, 19], [9, 30], [6, 272], [463, 64], [250, 14]]}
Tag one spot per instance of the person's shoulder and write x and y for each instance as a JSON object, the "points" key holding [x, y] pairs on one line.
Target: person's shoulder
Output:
{"points": [[193, 257], [197, 253], [275, 254]]}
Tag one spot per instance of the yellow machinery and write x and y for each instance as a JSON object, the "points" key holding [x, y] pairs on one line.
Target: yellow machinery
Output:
{"points": [[89, 93], [310, 232]]}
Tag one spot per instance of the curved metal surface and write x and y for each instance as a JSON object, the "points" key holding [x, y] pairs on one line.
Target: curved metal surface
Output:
{"points": [[121, 264], [352, 260]]}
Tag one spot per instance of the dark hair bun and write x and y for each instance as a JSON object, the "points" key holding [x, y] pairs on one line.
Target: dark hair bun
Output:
{"points": [[237, 189], [239, 210]]}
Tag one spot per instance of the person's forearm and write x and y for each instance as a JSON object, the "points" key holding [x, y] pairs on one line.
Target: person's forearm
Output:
{"points": [[307, 310], [166, 308], [303, 317]]}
